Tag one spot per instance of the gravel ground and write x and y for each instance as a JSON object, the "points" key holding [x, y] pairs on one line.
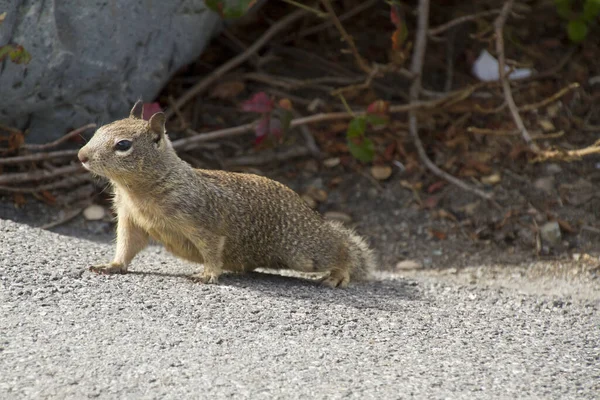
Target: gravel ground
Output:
{"points": [[66, 333]]}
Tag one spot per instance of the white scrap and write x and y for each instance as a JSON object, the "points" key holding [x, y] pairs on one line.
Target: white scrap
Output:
{"points": [[485, 68]]}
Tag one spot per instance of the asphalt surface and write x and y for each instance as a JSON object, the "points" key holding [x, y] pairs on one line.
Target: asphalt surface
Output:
{"points": [[153, 334]]}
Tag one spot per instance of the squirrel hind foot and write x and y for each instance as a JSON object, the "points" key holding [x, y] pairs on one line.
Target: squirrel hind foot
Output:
{"points": [[337, 278], [207, 278], [109, 269]]}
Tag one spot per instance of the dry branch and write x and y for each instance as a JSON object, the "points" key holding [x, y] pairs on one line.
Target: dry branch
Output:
{"points": [[461, 20], [201, 86], [58, 141], [38, 175], [499, 31], [38, 157], [362, 63], [415, 88]]}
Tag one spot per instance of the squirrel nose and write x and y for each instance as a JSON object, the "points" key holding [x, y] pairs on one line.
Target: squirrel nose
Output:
{"points": [[82, 157]]}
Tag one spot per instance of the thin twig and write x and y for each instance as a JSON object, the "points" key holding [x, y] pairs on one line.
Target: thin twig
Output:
{"points": [[551, 99], [45, 146], [315, 11], [189, 142], [201, 86], [499, 31], [360, 86], [38, 157], [415, 88], [21, 177], [68, 216], [309, 139], [182, 122], [460, 20], [317, 28], [362, 63], [567, 155], [267, 158], [67, 182]]}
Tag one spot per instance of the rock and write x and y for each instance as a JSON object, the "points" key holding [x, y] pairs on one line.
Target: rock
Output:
{"points": [[311, 166], [578, 193], [553, 169], [94, 212], [331, 162], [407, 265], [338, 216], [381, 172], [545, 184], [550, 232], [90, 61]]}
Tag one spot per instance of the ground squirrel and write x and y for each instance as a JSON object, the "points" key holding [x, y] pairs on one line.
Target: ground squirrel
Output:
{"points": [[223, 220]]}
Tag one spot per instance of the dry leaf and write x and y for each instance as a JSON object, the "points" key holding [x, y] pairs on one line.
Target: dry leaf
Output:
{"points": [[48, 197], [434, 187], [15, 140], [227, 90], [491, 179], [439, 235], [19, 200]]}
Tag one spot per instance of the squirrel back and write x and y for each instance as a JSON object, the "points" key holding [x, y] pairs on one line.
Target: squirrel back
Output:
{"points": [[224, 220]]}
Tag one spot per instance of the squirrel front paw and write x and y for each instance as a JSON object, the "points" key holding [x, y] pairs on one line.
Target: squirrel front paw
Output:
{"points": [[108, 269]]}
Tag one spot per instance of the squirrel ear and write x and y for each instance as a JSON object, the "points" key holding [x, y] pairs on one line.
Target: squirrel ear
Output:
{"points": [[157, 123], [137, 110]]}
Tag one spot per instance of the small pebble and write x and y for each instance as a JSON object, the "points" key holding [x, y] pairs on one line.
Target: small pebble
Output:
{"points": [[331, 162], [381, 172], [550, 232], [94, 212], [408, 265]]}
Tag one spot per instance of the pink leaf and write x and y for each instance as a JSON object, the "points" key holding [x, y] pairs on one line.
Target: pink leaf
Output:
{"points": [[262, 128], [259, 103], [150, 109], [394, 17]]}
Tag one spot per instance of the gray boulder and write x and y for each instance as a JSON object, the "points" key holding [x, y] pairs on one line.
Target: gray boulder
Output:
{"points": [[92, 59]]}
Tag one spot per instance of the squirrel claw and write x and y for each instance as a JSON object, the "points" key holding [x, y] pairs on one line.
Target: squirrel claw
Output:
{"points": [[336, 279], [205, 278], [107, 269]]}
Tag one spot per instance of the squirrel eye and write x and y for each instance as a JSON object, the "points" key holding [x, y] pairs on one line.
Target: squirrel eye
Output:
{"points": [[123, 145]]}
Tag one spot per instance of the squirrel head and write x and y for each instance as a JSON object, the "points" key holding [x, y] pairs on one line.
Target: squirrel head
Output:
{"points": [[128, 147]]}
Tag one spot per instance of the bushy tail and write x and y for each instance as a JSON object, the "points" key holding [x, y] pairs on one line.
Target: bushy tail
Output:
{"points": [[362, 258]]}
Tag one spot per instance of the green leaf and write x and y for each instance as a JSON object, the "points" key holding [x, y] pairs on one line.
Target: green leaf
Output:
{"points": [[577, 30], [357, 127], [285, 117], [376, 120], [229, 8], [365, 151], [563, 8], [591, 9], [16, 53]]}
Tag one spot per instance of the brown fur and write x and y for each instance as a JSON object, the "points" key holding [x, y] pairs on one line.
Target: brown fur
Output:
{"points": [[224, 220]]}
